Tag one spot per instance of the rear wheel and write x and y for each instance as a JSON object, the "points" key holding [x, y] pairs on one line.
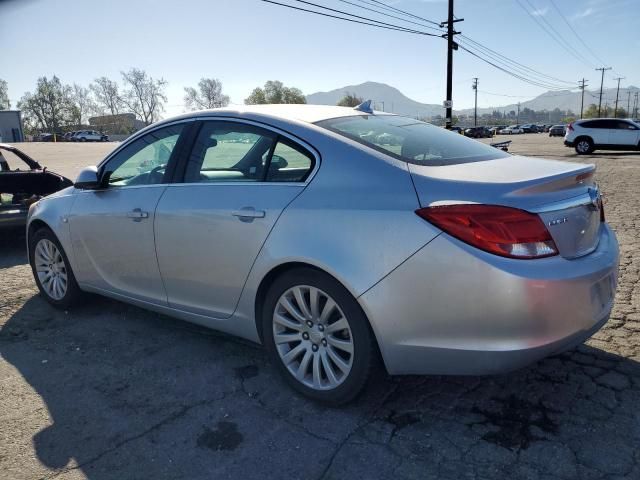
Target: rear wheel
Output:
{"points": [[51, 270], [318, 336], [584, 146]]}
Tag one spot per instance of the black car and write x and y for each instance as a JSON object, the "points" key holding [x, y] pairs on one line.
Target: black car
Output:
{"points": [[477, 132], [557, 131], [529, 128], [20, 186]]}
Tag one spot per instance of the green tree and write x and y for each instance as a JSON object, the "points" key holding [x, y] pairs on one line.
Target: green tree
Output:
{"points": [[350, 100], [275, 92], [591, 111], [50, 107], [4, 95]]}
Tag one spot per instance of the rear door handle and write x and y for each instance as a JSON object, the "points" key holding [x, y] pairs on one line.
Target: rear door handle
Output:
{"points": [[248, 214], [137, 214]]}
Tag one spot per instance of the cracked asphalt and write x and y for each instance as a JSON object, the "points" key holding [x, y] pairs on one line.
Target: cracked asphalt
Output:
{"points": [[110, 391]]}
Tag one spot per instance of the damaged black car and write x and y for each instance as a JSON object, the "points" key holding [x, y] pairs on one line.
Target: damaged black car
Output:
{"points": [[23, 182]]}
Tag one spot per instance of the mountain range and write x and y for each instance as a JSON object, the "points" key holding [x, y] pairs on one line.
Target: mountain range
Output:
{"points": [[392, 100]]}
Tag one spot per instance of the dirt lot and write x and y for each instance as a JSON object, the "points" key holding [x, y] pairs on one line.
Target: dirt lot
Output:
{"points": [[109, 391]]}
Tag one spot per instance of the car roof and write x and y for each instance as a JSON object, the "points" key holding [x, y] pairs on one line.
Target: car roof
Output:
{"points": [[300, 112]]}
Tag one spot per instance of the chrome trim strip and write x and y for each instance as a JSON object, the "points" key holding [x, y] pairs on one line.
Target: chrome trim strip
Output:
{"points": [[583, 199]]}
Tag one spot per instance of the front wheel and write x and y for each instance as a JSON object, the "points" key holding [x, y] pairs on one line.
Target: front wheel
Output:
{"points": [[51, 269], [318, 336]]}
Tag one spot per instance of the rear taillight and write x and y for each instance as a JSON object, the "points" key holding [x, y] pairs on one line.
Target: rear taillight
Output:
{"points": [[570, 127], [508, 232]]}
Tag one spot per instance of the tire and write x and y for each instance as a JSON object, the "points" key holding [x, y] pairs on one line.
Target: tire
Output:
{"points": [[584, 146], [45, 247], [83, 139], [340, 375]]}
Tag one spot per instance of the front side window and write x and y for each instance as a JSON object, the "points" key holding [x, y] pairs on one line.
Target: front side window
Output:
{"points": [[412, 141], [229, 152], [143, 161]]}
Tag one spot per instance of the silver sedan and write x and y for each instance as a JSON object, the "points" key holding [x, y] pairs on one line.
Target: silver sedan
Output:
{"points": [[334, 236]]}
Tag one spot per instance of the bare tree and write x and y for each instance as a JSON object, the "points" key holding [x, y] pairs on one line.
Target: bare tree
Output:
{"points": [[4, 95], [49, 107], [275, 92], [107, 95], [208, 95], [82, 103], [144, 95]]}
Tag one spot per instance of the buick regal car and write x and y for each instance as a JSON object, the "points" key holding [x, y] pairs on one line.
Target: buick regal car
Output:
{"points": [[334, 236], [22, 182]]}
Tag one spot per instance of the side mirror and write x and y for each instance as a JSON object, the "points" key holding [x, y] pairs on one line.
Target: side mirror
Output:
{"points": [[88, 179]]}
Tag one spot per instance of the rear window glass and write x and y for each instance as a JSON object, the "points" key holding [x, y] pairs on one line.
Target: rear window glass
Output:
{"points": [[412, 141]]}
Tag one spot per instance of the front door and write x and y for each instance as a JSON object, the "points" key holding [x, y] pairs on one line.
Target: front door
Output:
{"points": [[112, 228], [624, 133], [211, 227]]}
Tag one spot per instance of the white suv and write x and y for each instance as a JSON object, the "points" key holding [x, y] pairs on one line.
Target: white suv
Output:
{"points": [[89, 136], [604, 134]]}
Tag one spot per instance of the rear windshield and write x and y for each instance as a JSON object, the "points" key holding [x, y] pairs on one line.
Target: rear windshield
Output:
{"points": [[412, 141]]}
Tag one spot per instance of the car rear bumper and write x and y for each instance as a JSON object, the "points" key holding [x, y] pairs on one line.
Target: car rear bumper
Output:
{"points": [[452, 309]]}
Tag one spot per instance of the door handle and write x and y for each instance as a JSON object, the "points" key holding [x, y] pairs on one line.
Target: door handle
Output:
{"points": [[137, 214], [248, 214]]}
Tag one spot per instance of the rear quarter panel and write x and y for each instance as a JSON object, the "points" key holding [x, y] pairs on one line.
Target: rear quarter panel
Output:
{"points": [[355, 220]]}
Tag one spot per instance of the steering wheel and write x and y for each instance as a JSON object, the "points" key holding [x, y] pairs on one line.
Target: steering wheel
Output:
{"points": [[156, 175]]}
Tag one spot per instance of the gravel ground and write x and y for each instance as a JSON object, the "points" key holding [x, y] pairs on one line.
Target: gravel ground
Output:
{"points": [[109, 391]]}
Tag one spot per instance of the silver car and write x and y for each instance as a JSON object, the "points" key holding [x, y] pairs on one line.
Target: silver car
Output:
{"points": [[335, 235]]}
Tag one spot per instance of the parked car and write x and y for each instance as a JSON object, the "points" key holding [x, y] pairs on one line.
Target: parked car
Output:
{"points": [[22, 182], [511, 130], [495, 130], [328, 262], [557, 131], [602, 134], [68, 136], [477, 132], [457, 129], [89, 136], [528, 128]]}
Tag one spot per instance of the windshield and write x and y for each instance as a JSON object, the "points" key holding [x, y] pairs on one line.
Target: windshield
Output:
{"points": [[412, 141]]}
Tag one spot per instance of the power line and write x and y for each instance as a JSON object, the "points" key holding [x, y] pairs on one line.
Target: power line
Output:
{"points": [[363, 18], [389, 27], [422, 23], [404, 12], [575, 33], [553, 33], [500, 58], [513, 74]]}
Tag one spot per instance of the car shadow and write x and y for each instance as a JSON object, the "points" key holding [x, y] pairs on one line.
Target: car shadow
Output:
{"points": [[13, 250], [133, 394]]}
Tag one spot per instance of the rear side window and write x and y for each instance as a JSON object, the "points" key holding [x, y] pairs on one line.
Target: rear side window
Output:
{"points": [[289, 162], [412, 141], [597, 124]]}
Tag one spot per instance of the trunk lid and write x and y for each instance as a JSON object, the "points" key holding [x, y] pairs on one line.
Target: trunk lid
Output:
{"points": [[563, 194]]}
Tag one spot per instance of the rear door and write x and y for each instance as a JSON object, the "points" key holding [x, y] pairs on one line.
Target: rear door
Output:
{"points": [[598, 130], [624, 133], [211, 225]]}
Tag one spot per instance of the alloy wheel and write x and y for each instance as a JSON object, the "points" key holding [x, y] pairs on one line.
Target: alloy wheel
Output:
{"points": [[51, 269], [313, 337], [583, 146]]}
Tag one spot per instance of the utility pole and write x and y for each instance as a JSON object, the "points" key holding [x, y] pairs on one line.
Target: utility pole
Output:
{"points": [[475, 106], [635, 105], [629, 103], [615, 110], [518, 117], [582, 101], [601, 83], [451, 46]]}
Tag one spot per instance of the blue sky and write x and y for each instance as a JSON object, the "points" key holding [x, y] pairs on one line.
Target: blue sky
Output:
{"points": [[246, 42]]}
